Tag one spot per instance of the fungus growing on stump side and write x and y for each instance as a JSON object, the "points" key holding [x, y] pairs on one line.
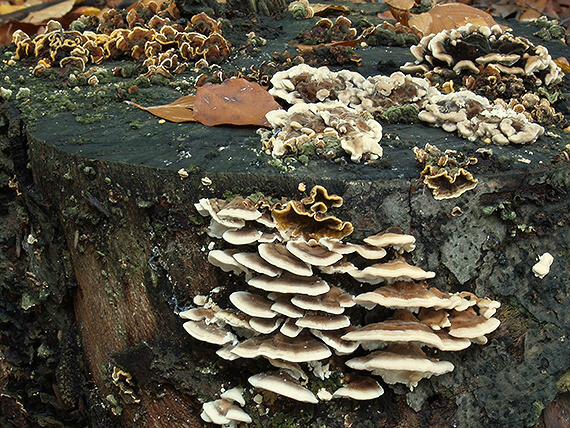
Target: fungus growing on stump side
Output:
{"points": [[445, 172], [295, 314]]}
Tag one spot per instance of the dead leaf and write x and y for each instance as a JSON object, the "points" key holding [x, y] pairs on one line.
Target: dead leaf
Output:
{"points": [[329, 9], [400, 9], [177, 111], [51, 12], [449, 16], [562, 62], [233, 102]]}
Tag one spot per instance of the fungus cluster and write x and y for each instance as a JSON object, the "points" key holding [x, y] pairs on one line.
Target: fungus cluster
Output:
{"points": [[227, 409], [324, 128], [476, 119], [296, 307], [471, 49], [154, 37], [445, 172]]}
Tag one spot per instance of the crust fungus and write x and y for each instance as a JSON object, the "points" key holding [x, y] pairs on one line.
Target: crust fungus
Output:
{"points": [[152, 35], [323, 128], [471, 48], [288, 313], [445, 172], [475, 118]]}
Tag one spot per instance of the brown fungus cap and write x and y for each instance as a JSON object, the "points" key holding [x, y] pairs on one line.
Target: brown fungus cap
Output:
{"points": [[283, 384], [447, 185], [333, 338], [244, 236], [256, 263], [393, 269], [311, 252], [332, 302], [295, 218], [409, 294], [252, 304], [288, 283], [211, 333], [265, 325], [393, 237], [323, 322], [320, 196], [300, 349], [279, 256], [467, 324], [240, 209], [405, 328], [360, 388], [406, 364]]}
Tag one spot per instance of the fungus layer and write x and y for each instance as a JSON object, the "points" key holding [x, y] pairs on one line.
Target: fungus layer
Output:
{"points": [[152, 34], [302, 323], [445, 172]]}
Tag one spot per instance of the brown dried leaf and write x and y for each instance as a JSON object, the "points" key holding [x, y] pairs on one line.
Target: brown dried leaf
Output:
{"points": [[329, 9], [233, 102], [400, 9], [51, 12], [449, 16], [177, 111]]}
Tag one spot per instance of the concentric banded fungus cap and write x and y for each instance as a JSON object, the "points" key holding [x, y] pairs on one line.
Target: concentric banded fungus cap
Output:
{"points": [[467, 324], [234, 394], [243, 236], [290, 329], [222, 412], [279, 256], [332, 302], [284, 306], [301, 349], [252, 304], [406, 364], [210, 333], [323, 322], [408, 294], [224, 260], [360, 388], [212, 207], [311, 286], [312, 253], [256, 263], [434, 318], [393, 269], [393, 237], [283, 384], [333, 339], [405, 328], [265, 325], [320, 195], [240, 209]]}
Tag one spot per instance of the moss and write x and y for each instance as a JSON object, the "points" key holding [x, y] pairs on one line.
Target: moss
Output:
{"points": [[563, 384], [407, 113]]}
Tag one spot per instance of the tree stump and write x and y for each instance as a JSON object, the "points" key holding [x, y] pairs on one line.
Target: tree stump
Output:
{"points": [[99, 256]]}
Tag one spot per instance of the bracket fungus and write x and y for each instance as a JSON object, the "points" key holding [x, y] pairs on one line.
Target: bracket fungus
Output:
{"points": [[153, 34], [302, 318], [471, 48], [445, 172]]}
